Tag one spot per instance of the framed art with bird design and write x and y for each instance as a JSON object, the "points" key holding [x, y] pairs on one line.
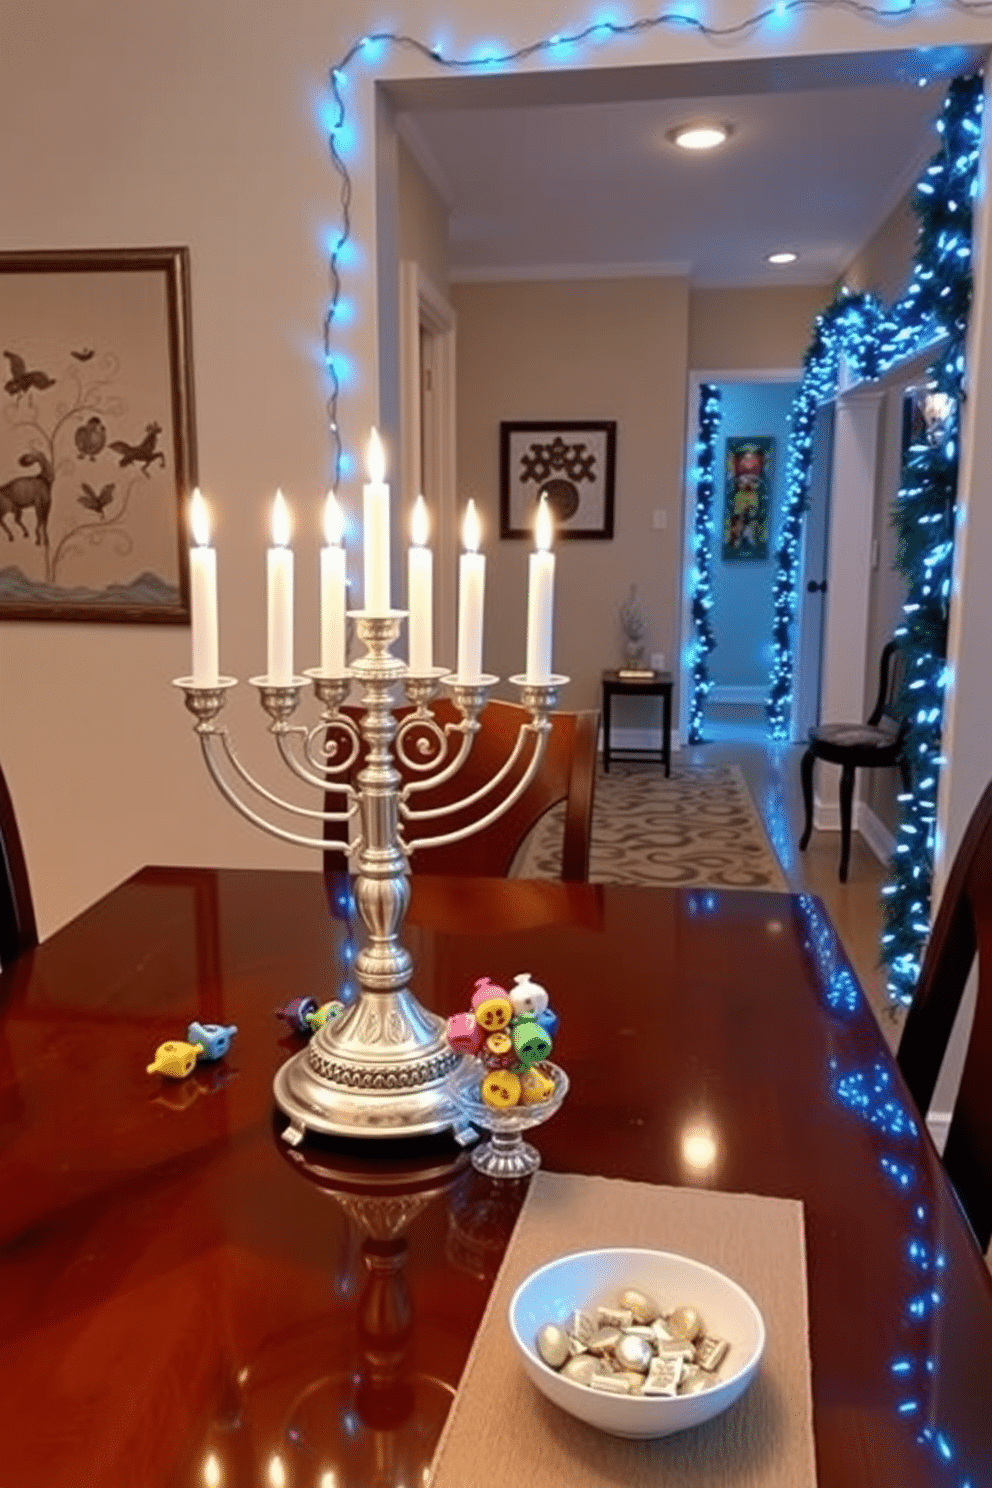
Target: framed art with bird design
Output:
{"points": [[572, 463], [97, 444]]}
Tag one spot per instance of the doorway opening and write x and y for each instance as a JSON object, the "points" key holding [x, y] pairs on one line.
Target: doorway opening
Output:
{"points": [[749, 474]]}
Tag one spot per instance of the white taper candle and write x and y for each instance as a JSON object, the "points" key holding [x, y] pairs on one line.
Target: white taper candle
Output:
{"points": [[203, 595], [332, 589], [471, 597], [280, 595], [376, 530], [540, 598], [420, 593]]}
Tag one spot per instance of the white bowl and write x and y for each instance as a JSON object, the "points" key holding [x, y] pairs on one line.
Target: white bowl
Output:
{"points": [[595, 1277]]}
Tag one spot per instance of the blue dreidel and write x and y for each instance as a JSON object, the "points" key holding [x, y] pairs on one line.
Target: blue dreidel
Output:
{"points": [[215, 1038], [548, 1021]]}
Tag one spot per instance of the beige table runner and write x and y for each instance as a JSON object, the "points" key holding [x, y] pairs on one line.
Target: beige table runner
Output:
{"points": [[503, 1430]]}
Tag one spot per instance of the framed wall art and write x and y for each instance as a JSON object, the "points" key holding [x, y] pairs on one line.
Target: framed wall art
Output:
{"points": [[97, 446], [573, 463], [749, 464]]}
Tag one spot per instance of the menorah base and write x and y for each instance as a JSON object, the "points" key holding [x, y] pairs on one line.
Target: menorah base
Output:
{"points": [[383, 1070]]}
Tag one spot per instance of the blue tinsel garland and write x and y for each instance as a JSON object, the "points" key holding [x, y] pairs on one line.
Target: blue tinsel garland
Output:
{"points": [[702, 549], [856, 327]]}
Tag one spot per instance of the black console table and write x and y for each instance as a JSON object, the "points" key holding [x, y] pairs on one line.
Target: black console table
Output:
{"points": [[658, 684]]}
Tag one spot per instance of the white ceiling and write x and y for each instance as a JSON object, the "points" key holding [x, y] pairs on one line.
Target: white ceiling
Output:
{"points": [[571, 173]]}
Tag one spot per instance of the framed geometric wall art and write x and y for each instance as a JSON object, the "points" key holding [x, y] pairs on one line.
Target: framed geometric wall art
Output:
{"points": [[97, 446], [748, 472], [571, 462]]}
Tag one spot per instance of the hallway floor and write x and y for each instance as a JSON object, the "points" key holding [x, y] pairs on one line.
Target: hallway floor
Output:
{"points": [[855, 908]]}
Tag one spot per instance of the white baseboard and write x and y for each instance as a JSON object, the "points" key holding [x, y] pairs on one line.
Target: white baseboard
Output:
{"points": [[938, 1125], [875, 833], [726, 692], [826, 818]]}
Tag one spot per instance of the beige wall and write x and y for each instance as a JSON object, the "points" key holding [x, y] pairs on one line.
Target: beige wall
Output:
{"points": [[734, 330], [423, 221], [601, 349], [883, 265]]}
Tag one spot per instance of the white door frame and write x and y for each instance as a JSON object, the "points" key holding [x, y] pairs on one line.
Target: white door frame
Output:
{"points": [[736, 374], [424, 308]]}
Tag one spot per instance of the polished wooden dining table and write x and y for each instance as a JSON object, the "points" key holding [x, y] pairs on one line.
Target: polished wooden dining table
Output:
{"points": [[186, 1300]]}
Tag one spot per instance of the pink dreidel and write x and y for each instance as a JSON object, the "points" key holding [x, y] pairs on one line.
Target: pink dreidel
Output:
{"points": [[464, 1033]]}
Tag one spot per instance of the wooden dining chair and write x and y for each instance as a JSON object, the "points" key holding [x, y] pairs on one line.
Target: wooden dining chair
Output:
{"points": [[878, 742], [567, 773], [962, 929], [18, 931]]}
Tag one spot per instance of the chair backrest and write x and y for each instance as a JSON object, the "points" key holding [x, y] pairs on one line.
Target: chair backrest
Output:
{"points": [[567, 773], [963, 926], [888, 712], [18, 931]]}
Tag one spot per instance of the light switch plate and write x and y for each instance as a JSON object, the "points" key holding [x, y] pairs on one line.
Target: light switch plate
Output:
{"points": [[658, 660]]}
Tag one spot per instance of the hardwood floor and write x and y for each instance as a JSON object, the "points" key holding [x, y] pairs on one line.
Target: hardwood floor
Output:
{"points": [[855, 907]]}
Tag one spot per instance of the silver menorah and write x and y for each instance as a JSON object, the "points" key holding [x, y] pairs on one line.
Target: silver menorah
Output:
{"points": [[382, 1069]]}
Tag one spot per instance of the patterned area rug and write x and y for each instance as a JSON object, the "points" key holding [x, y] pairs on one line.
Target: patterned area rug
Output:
{"points": [[698, 829]]}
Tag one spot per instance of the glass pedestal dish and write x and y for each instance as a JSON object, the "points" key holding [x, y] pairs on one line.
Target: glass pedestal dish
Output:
{"points": [[506, 1154]]}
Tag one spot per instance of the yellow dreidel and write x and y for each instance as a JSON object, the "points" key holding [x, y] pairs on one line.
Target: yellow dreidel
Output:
{"points": [[175, 1059]]}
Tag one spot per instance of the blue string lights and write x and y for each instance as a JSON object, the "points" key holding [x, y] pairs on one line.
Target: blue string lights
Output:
{"points": [[848, 329], [856, 328], [938, 300], [701, 578]]}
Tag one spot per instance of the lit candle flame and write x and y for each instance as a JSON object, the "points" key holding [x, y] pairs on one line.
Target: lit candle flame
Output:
{"points": [[333, 521], [375, 459], [212, 1475], [471, 529], [419, 523], [543, 525], [276, 1472], [199, 519], [280, 522]]}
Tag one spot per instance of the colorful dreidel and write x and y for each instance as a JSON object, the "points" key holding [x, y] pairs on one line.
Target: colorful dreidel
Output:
{"points": [[498, 1051], [295, 1013], [527, 996], [175, 1059], [548, 1021], [535, 1086], [531, 1042], [326, 1013], [491, 1006], [500, 1089], [464, 1033], [485, 988], [215, 1038]]}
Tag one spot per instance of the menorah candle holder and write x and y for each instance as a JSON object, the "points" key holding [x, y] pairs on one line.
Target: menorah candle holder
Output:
{"points": [[382, 1069]]}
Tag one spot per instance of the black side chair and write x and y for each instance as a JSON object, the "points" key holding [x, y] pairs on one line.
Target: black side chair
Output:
{"points": [[881, 741], [963, 927], [18, 931]]}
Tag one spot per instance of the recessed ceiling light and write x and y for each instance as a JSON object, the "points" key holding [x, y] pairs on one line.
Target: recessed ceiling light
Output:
{"points": [[786, 256], [700, 136]]}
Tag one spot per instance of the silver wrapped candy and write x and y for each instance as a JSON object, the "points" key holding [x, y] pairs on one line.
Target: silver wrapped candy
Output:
{"points": [[686, 1322], [553, 1345], [634, 1353], [642, 1308]]}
